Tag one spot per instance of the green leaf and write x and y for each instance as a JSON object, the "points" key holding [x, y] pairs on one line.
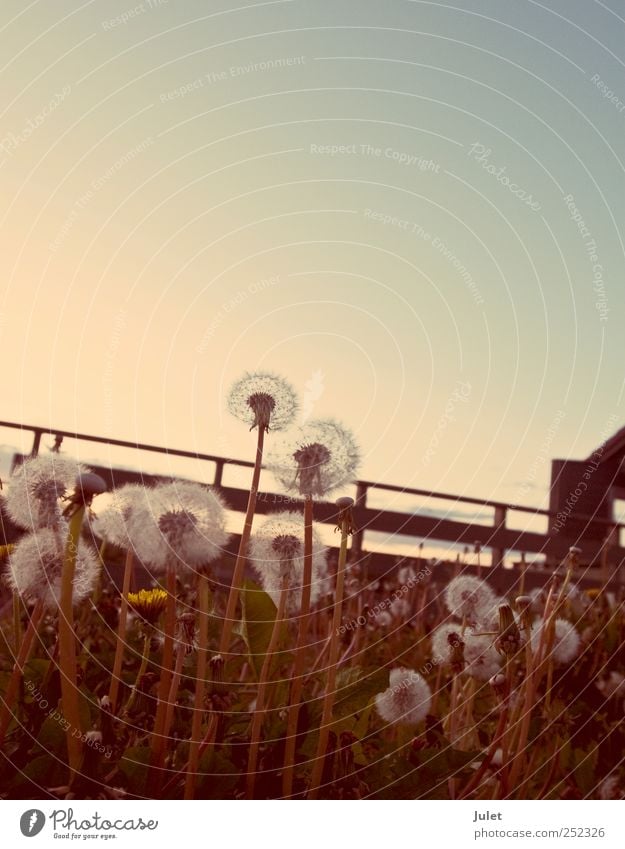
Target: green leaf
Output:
{"points": [[134, 764], [259, 614], [360, 688]]}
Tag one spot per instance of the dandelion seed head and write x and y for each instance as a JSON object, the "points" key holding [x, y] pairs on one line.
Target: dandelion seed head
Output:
{"points": [[112, 523], [483, 660], [279, 540], [180, 521], [445, 638], [264, 400], [407, 700], [566, 640], [36, 564], [317, 458], [36, 489], [469, 598]]}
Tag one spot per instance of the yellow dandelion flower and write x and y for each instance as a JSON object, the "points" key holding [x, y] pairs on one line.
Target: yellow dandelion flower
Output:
{"points": [[149, 604]]}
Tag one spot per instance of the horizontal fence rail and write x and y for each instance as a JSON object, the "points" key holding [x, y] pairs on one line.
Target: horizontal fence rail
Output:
{"points": [[496, 536]]}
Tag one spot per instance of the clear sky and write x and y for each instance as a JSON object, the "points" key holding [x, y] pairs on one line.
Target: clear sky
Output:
{"points": [[412, 210]]}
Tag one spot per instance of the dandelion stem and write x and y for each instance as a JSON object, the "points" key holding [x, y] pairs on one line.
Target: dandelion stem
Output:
{"points": [[300, 649], [200, 688], [67, 645], [173, 690], [21, 659], [158, 740], [121, 632], [143, 666], [263, 686], [17, 621], [328, 700], [237, 575]]}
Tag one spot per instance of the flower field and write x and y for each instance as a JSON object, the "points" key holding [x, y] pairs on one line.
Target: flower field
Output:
{"points": [[287, 671]]}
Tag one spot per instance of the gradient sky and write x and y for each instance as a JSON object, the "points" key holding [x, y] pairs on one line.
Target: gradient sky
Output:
{"points": [[170, 218]]}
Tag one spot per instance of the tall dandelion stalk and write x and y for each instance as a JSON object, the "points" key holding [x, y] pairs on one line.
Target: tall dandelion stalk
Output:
{"points": [[87, 486], [179, 526], [263, 401], [277, 556], [345, 525], [43, 568], [321, 456]]}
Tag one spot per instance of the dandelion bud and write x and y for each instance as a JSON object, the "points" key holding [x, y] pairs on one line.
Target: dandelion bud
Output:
{"points": [[524, 606], [87, 486], [185, 631], [345, 518], [509, 638], [216, 664]]}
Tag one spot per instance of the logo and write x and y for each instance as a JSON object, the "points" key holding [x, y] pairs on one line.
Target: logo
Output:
{"points": [[32, 822]]}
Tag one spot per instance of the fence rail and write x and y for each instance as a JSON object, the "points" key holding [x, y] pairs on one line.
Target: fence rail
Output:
{"points": [[496, 536]]}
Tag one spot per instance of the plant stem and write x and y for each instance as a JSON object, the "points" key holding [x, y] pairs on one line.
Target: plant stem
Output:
{"points": [[328, 700], [237, 575], [67, 646], [300, 649], [173, 690], [263, 683], [143, 666], [17, 622], [200, 688], [158, 740], [121, 632], [21, 659]]}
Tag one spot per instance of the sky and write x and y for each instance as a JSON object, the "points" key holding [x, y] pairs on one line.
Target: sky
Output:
{"points": [[411, 210]]}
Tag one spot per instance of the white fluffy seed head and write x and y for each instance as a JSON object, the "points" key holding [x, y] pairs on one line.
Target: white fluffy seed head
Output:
{"points": [[112, 523], [315, 459], [279, 539], [407, 700], [36, 489], [36, 564], [469, 598], [262, 399], [482, 660], [181, 522], [566, 640]]}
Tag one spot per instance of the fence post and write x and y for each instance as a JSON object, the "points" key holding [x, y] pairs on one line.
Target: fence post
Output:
{"points": [[498, 553], [36, 443], [358, 535], [219, 472]]}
